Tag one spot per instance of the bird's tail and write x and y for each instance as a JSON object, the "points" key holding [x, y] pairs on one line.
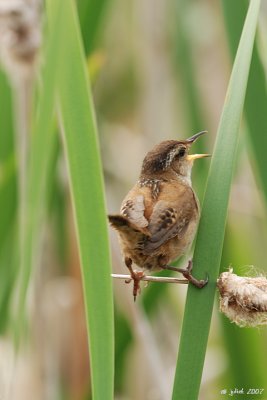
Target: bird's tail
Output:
{"points": [[122, 224], [119, 221], [132, 235]]}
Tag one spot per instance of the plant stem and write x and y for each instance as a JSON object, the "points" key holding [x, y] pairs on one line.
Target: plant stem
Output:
{"points": [[148, 278]]}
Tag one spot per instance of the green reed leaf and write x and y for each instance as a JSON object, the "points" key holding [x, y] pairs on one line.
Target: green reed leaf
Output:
{"points": [[208, 250]]}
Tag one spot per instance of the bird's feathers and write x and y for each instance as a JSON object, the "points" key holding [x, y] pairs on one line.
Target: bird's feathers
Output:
{"points": [[167, 221], [121, 223], [169, 218], [133, 209]]}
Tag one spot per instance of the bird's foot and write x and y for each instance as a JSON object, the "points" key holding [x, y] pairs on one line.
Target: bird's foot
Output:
{"points": [[136, 276], [200, 283]]}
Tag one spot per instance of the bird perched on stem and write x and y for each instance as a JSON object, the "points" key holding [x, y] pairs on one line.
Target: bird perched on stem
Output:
{"points": [[159, 216]]}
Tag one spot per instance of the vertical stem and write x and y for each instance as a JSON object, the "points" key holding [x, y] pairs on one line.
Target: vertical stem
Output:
{"points": [[23, 90], [23, 94]]}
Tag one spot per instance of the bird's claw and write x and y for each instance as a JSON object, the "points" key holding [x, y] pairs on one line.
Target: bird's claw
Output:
{"points": [[187, 274], [199, 283], [136, 276]]}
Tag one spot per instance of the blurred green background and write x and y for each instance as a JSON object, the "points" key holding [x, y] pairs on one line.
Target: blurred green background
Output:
{"points": [[159, 70]]}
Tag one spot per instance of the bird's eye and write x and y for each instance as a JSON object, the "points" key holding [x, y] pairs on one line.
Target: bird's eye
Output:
{"points": [[181, 152]]}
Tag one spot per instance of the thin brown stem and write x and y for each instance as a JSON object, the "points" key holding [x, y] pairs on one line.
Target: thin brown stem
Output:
{"points": [[148, 278]]}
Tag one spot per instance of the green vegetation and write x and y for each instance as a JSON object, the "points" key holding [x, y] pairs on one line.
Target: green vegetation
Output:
{"points": [[208, 250]]}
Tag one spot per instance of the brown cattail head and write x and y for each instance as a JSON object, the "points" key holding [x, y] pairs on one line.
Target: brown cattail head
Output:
{"points": [[243, 300], [20, 36]]}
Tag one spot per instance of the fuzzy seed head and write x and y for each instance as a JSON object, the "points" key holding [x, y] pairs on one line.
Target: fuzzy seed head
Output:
{"points": [[243, 299]]}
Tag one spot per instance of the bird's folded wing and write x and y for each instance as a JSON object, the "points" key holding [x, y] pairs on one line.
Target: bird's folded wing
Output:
{"points": [[133, 209], [167, 221]]}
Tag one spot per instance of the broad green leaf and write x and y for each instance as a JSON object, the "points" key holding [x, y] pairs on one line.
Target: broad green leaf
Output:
{"points": [[8, 200], [247, 361], [86, 182], [208, 250], [90, 13], [256, 97]]}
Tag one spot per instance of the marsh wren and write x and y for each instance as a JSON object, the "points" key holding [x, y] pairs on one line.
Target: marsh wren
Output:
{"points": [[159, 216]]}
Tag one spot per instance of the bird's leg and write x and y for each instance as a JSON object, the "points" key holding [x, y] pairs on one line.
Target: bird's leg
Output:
{"points": [[136, 276], [187, 274]]}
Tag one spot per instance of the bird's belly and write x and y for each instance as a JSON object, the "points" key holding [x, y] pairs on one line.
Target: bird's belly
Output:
{"points": [[170, 250], [130, 250], [179, 246]]}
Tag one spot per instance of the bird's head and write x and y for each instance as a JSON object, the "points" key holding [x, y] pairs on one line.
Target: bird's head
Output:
{"points": [[171, 157]]}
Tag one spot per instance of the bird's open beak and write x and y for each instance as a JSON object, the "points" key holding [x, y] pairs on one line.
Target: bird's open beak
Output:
{"points": [[193, 138], [192, 157]]}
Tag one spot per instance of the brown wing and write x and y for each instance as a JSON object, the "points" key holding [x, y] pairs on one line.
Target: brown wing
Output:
{"points": [[133, 209], [168, 220]]}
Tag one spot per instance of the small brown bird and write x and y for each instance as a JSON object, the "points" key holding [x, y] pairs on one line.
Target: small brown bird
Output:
{"points": [[159, 216]]}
